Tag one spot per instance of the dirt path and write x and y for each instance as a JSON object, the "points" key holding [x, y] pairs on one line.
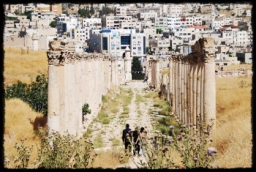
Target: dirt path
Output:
{"points": [[138, 116]]}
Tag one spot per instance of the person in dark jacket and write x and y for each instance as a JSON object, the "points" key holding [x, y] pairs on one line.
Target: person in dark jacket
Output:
{"points": [[135, 137], [127, 134]]}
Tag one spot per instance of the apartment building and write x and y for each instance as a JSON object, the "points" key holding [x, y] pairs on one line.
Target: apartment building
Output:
{"points": [[9, 24], [149, 32], [131, 25], [114, 21], [235, 20], [175, 9], [146, 15], [175, 42], [160, 23], [184, 33], [241, 38], [94, 23], [115, 41], [21, 17], [15, 7], [157, 10], [42, 7], [121, 11], [66, 24], [218, 22], [23, 23], [161, 43], [56, 8], [176, 22], [35, 16], [81, 34]]}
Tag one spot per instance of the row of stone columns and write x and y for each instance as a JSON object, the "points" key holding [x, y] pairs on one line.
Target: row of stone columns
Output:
{"points": [[76, 79], [192, 87]]}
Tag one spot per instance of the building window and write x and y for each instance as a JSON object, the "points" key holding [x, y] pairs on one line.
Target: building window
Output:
{"points": [[125, 40], [105, 43]]}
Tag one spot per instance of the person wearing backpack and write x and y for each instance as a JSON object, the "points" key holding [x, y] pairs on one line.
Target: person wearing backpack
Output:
{"points": [[126, 138]]}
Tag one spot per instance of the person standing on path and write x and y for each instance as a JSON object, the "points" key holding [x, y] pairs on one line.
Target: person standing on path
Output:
{"points": [[127, 137], [138, 141], [135, 135]]}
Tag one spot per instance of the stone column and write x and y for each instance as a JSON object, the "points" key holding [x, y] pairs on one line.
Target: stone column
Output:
{"points": [[71, 120], [170, 82], [190, 94], [209, 84], [53, 91], [35, 42], [186, 92], [174, 84], [198, 90], [78, 103], [127, 64], [194, 93], [149, 72]]}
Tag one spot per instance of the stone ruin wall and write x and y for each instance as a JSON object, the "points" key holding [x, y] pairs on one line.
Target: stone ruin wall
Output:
{"points": [[189, 86], [76, 79]]}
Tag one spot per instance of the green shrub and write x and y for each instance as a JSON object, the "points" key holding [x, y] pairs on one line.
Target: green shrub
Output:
{"points": [[35, 94]]}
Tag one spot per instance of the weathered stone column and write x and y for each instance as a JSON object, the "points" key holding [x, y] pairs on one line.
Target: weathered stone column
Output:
{"points": [[170, 82], [186, 91], [202, 92], [194, 78], [209, 82], [174, 84], [113, 75], [71, 121], [128, 65], [190, 94], [77, 89], [198, 90], [149, 71], [179, 88], [53, 91]]}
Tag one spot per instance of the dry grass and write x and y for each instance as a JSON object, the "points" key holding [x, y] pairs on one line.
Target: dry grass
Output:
{"points": [[20, 121], [109, 158], [236, 66], [23, 67], [233, 132]]}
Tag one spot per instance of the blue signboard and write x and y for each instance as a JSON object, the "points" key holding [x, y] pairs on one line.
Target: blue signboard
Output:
{"points": [[105, 31]]}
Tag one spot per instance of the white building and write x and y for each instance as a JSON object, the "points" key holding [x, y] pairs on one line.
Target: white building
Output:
{"points": [[175, 9], [121, 10], [66, 24], [94, 23], [176, 22], [184, 33], [35, 16], [114, 21], [81, 34], [115, 41], [147, 15], [160, 23]]}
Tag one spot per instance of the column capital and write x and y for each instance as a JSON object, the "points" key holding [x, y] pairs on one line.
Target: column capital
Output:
{"points": [[209, 54], [54, 57]]}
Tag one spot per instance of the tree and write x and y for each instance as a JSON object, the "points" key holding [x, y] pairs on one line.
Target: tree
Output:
{"points": [[199, 9], [137, 69], [105, 11], [28, 14], [136, 66], [92, 10], [84, 12], [53, 23]]}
